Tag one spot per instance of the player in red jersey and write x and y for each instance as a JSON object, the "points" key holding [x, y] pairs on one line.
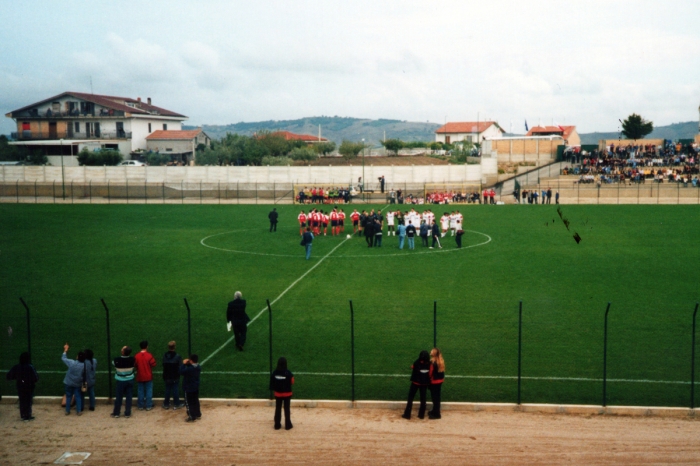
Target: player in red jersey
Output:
{"points": [[355, 217], [334, 222], [341, 222], [324, 219], [302, 222]]}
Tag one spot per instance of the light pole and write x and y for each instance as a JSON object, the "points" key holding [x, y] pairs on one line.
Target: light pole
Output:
{"points": [[362, 185], [63, 173]]}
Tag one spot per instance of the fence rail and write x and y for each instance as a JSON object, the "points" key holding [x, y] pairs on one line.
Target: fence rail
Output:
{"points": [[364, 366]]}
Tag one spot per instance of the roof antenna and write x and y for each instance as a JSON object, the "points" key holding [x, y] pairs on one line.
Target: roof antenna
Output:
{"points": [[91, 91]]}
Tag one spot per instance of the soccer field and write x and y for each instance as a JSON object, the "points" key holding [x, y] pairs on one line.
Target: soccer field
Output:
{"points": [[144, 259]]}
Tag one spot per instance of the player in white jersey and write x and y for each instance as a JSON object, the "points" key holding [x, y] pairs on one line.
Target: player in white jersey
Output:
{"points": [[444, 223], [431, 217], [460, 219], [453, 223], [390, 223]]}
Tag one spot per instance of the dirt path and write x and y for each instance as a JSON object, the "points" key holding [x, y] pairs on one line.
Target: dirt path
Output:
{"points": [[235, 435]]}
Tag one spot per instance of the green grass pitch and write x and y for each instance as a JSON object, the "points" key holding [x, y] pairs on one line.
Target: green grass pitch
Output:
{"points": [[143, 260]]}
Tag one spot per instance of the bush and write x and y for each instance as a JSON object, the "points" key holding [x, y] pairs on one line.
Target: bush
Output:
{"points": [[324, 148], [99, 158], [303, 153], [155, 159], [276, 161]]}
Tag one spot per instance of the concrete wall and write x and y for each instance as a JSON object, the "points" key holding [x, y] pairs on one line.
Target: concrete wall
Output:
{"points": [[298, 175], [525, 149]]}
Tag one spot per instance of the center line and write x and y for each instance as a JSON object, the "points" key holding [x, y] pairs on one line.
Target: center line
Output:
{"points": [[276, 299]]}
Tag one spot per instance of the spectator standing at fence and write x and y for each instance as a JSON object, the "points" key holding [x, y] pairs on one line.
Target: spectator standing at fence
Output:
{"points": [[381, 183], [549, 195], [124, 375], [556, 197], [25, 378], [437, 376], [91, 379], [420, 380], [171, 377], [273, 220], [238, 319], [190, 370], [145, 362], [73, 380], [307, 240], [281, 381]]}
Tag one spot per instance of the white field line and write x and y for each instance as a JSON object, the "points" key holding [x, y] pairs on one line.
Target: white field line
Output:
{"points": [[276, 299], [448, 376]]}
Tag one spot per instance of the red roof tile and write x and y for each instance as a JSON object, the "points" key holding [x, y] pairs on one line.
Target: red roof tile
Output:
{"points": [[113, 102], [467, 127], [174, 134], [289, 136]]}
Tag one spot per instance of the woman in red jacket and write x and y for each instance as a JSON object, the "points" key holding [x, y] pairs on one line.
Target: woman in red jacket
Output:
{"points": [[420, 380], [437, 376]]}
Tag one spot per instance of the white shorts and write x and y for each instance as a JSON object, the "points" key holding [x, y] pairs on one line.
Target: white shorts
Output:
{"points": [[444, 226]]}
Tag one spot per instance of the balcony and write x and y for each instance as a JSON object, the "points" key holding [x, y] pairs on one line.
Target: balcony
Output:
{"points": [[50, 114], [49, 135]]}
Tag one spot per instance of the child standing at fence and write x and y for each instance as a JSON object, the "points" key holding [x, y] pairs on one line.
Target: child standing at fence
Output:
{"points": [[420, 380], [437, 376], [281, 381]]}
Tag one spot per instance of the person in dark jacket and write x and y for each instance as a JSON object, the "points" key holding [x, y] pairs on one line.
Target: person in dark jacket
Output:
{"points": [[237, 317], [273, 220], [190, 370], [281, 381], [307, 241], [90, 378], [369, 232], [171, 377], [437, 376], [424, 232], [420, 380], [26, 378], [435, 231]]}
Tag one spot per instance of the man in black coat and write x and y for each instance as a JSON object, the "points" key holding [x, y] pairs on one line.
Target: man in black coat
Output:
{"points": [[237, 317], [273, 220]]}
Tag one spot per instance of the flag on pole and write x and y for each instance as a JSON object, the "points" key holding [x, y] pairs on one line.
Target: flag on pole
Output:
{"points": [[526, 128]]}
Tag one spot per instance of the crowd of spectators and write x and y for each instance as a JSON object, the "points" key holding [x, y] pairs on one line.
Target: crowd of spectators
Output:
{"points": [[320, 195], [670, 162]]}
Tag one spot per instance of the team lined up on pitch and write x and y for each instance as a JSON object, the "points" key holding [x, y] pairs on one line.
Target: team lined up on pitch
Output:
{"points": [[407, 224]]}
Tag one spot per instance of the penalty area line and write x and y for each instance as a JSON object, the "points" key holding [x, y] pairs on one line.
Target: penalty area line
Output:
{"points": [[276, 299]]}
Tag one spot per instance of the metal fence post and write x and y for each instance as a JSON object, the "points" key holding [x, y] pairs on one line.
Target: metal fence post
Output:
{"points": [[127, 190], [352, 353], [90, 190], [219, 192], [269, 315], [200, 192], [520, 346], [256, 192], [53, 188], [189, 328], [29, 331], [692, 363], [182, 191], [72, 198], [36, 195], [434, 324], [17, 191], [145, 192], [163, 190], [605, 357], [109, 351]]}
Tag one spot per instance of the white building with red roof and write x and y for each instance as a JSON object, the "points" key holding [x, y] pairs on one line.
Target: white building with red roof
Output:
{"points": [[180, 144], [568, 133], [65, 123], [472, 131]]}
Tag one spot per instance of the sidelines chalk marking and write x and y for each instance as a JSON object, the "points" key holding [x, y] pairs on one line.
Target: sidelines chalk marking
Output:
{"points": [[477, 377], [276, 299]]}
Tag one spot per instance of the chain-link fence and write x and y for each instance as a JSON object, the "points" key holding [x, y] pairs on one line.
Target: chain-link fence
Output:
{"points": [[495, 351]]}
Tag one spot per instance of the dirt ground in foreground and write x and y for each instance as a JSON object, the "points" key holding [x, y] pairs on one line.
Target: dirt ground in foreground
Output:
{"points": [[236, 435]]}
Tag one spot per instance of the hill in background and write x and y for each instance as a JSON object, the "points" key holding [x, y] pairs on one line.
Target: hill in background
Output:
{"points": [[354, 129]]}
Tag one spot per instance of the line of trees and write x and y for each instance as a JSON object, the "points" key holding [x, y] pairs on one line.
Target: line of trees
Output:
{"points": [[263, 148]]}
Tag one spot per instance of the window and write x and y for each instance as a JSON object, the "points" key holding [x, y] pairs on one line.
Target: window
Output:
{"points": [[25, 126], [165, 126], [97, 129], [168, 149], [88, 130], [56, 107], [149, 128], [77, 126]]}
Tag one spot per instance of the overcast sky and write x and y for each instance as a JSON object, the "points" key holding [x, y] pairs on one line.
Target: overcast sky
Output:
{"points": [[585, 63]]}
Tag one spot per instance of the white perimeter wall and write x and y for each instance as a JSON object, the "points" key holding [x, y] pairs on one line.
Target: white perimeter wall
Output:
{"points": [[298, 175]]}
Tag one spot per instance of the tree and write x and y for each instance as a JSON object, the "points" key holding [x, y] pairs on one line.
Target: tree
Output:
{"points": [[636, 127], [349, 149], [99, 158], [393, 146], [324, 148], [303, 153]]}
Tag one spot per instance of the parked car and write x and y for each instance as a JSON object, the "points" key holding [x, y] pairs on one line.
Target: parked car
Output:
{"points": [[131, 163]]}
